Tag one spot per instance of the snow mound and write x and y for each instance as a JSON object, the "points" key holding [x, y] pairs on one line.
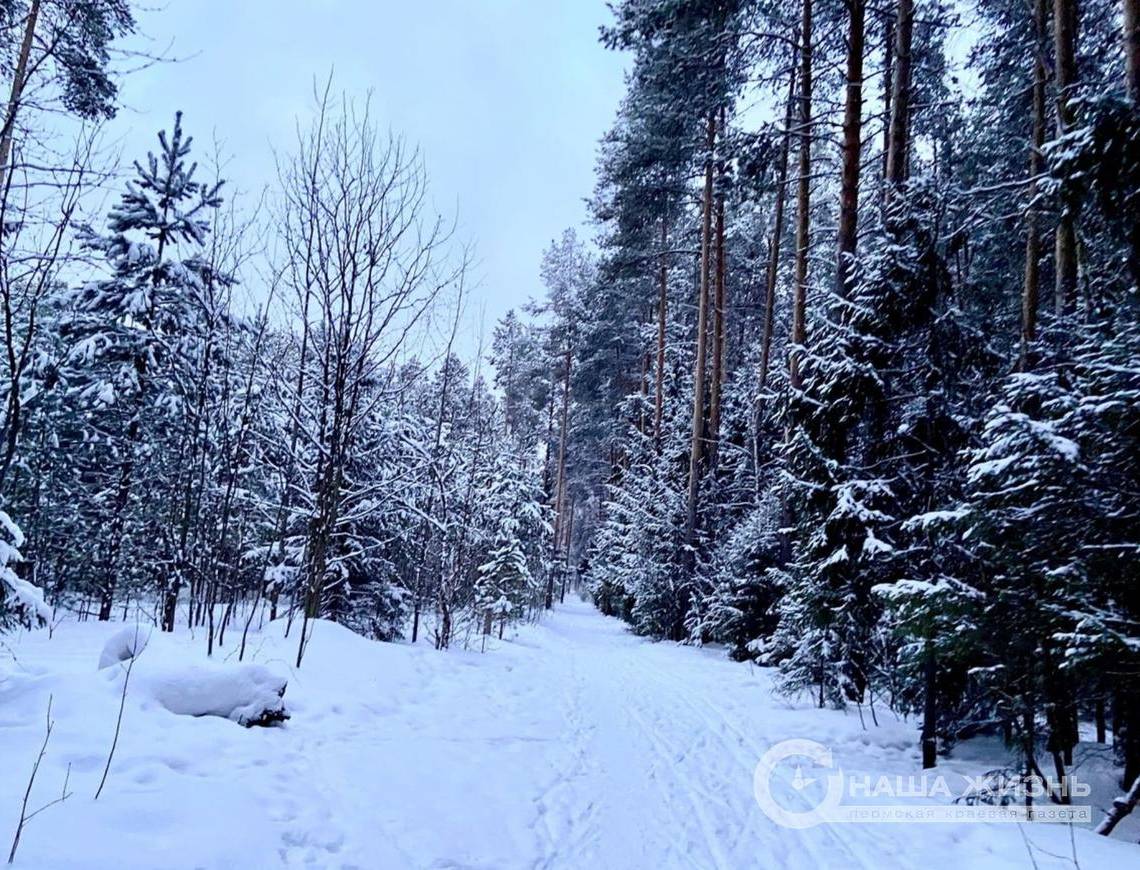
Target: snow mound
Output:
{"points": [[247, 694], [124, 645]]}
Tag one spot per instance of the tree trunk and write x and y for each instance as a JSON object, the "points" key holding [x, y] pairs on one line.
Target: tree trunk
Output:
{"points": [[1132, 83], [568, 538], [560, 483], [803, 203], [1031, 288], [1065, 47], [16, 95], [695, 447], [717, 378], [662, 302], [548, 482], [888, 84], [644, 381], [17, 361], [1029, 748], [852, 130], [1132, 49], [899, 137], [930, 710], [1126, 731], [1062, 778], [117, 527], [778, 225]]}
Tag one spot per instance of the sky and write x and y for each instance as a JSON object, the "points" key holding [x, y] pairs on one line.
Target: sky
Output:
{"points": [[506, 98]]}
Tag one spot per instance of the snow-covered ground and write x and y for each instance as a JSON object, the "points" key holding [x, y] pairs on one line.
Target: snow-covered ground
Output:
{"points": [[573, 744]]}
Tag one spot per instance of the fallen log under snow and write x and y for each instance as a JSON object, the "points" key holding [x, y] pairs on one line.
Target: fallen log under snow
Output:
{"points": [[247, 694], [244, 693]]}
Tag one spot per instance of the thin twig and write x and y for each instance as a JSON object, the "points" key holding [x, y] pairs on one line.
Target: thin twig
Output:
{"points": [[24, 817], [118, 721]]}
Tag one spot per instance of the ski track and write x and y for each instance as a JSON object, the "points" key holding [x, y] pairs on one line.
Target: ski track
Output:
{"points": [[635, 753]]}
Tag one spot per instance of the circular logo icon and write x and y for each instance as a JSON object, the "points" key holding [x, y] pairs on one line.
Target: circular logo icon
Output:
{"points": [[776, 777]]}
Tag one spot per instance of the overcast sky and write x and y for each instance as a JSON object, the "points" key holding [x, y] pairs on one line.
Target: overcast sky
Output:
{"points": [[506, 98]]}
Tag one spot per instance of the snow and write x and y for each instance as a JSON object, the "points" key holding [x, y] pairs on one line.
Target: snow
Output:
{"points": [[936, 518], [241, 693], [26, 596], [872, 546], [13, 530], [572, 744], [27, 599], [124, 645], [836, 558]]}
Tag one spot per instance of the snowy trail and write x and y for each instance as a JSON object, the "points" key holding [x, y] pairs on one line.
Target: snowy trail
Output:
{"points": [[685, 759], [574, 745], [584, 746]]}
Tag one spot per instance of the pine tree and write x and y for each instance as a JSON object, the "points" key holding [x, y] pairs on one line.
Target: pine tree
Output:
{"points": [[134, 332], [21, 602]]}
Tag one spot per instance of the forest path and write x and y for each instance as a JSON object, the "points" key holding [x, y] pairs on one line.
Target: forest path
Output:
{"points": [[576, 745], [571, 745]]}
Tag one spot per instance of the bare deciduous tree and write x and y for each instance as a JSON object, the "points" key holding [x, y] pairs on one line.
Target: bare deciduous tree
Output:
{"points": [[364, 257]]}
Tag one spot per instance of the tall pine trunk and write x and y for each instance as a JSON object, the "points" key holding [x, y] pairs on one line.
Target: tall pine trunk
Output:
{"points": [[696, 443], [662, 302], [646, 359], [1065, 48], [777, 224], [852, 131], [930, 709], [716, 380], [899, 139], [117, 527], [803, 202], [560, 485], [888, 85], [1030, 292], [549, 485]]}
